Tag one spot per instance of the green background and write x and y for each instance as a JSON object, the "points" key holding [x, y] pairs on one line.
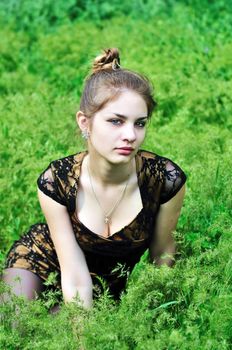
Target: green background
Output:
{"points": [[184, 47]]}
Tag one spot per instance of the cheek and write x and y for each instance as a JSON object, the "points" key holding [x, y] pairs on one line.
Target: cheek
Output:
{"points": [[141, 134], [101, 133], [100, 137]]}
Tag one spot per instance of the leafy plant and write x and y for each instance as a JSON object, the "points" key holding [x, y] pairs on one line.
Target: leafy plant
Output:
{"points": [[185, 48]]}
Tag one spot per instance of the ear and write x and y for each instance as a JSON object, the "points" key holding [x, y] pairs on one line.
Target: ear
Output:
{"points": [[82, 121]]}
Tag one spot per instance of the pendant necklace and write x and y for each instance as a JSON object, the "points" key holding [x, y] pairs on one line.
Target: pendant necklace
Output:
{"points": [[107, 216]]}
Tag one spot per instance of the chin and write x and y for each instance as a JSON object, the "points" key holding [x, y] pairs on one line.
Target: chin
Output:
{"points": [[121, 159], [114, 158]]}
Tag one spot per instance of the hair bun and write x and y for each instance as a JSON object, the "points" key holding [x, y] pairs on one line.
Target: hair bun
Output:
{"points": [[108, 60]]}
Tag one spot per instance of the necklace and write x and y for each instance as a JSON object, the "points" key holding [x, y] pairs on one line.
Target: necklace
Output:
{"points": [[107, 216]]}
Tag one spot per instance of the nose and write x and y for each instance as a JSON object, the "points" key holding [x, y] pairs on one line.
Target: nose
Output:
{"points": [[129, 133]]}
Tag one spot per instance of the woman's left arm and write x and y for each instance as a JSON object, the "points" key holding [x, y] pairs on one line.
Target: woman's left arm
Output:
{"points": [[162, 247]]}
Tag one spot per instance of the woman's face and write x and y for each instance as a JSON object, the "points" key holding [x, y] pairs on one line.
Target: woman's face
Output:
{"points": [[118, 129]]}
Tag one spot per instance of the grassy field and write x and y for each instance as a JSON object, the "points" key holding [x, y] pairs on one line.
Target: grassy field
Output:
{"points": [[185, 47]]}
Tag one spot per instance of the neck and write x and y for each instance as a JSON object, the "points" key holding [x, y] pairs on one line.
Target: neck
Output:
{"points": [[108, 173]]}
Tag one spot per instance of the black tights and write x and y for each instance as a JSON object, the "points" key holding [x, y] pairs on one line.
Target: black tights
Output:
{"points": [[24, 282]]}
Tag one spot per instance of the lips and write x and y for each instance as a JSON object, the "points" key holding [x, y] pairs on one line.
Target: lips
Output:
{"points": [[125, 151], [126, 148]]}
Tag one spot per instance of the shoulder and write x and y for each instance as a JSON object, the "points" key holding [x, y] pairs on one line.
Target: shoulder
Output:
{"points": [[150, 159], [153, 158], [147, 154], [59, 179], [64, 171], [68, 160], [67, 165], [165, 171]]}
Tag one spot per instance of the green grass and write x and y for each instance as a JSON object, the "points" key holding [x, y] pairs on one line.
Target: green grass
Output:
{"points": [[185, 48]]}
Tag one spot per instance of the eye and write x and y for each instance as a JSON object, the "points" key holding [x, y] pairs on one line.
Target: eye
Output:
{"points": [[115, 121], [141, 124]]}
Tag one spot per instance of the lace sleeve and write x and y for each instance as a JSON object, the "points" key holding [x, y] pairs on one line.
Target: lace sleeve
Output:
{"points": [[174, 179], [48, 185]]}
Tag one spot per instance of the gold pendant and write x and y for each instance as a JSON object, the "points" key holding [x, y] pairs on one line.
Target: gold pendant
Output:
{"points": [[106, 219], [107, 222]]}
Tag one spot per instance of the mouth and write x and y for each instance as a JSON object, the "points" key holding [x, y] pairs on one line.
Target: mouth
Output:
{"points": [[124, 150]]}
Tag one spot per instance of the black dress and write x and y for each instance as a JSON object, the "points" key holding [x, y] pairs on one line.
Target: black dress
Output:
{"points": [[159, 179]]}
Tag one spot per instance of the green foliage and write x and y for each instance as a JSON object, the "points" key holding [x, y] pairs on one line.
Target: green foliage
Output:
{"points": [[47, 14], [185, 48]]}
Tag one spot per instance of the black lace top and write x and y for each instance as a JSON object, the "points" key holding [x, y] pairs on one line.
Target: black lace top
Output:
{"points": [[159, 179]]}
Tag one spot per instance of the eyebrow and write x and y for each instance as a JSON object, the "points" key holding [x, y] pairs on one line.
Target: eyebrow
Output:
{"points": [[124, 117]]}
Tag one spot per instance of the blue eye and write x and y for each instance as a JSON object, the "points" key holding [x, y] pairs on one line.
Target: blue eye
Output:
{"points": [[115, 121]]}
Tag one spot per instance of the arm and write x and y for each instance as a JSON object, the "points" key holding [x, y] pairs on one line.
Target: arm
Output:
{"points": [[163, 242], [75, 276]]}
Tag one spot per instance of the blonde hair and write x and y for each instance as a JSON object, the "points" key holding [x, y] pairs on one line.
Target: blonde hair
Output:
{"points": [[108, 80]]}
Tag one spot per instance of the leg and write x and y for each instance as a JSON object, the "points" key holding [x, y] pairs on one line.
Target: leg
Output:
{"points": [[54, 309], [23, 282]]}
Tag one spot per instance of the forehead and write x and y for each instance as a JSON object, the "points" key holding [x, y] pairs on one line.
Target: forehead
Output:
{"points": [[128, 103]]}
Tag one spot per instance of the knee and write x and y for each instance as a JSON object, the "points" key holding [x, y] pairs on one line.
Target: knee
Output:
{"points": [[23, 282]]}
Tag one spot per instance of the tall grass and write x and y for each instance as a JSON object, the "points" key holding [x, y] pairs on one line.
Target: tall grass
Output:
{"points": [[185, 48]]}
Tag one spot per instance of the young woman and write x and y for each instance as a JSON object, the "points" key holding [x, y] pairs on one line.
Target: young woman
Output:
{"points": [[104, 206]]}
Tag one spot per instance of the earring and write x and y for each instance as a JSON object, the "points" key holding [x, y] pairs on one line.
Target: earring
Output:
{"points": [[85, 134], [116, 64]]}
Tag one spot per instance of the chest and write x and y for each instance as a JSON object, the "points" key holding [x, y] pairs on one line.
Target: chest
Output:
{"points": [[122, 208]]}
